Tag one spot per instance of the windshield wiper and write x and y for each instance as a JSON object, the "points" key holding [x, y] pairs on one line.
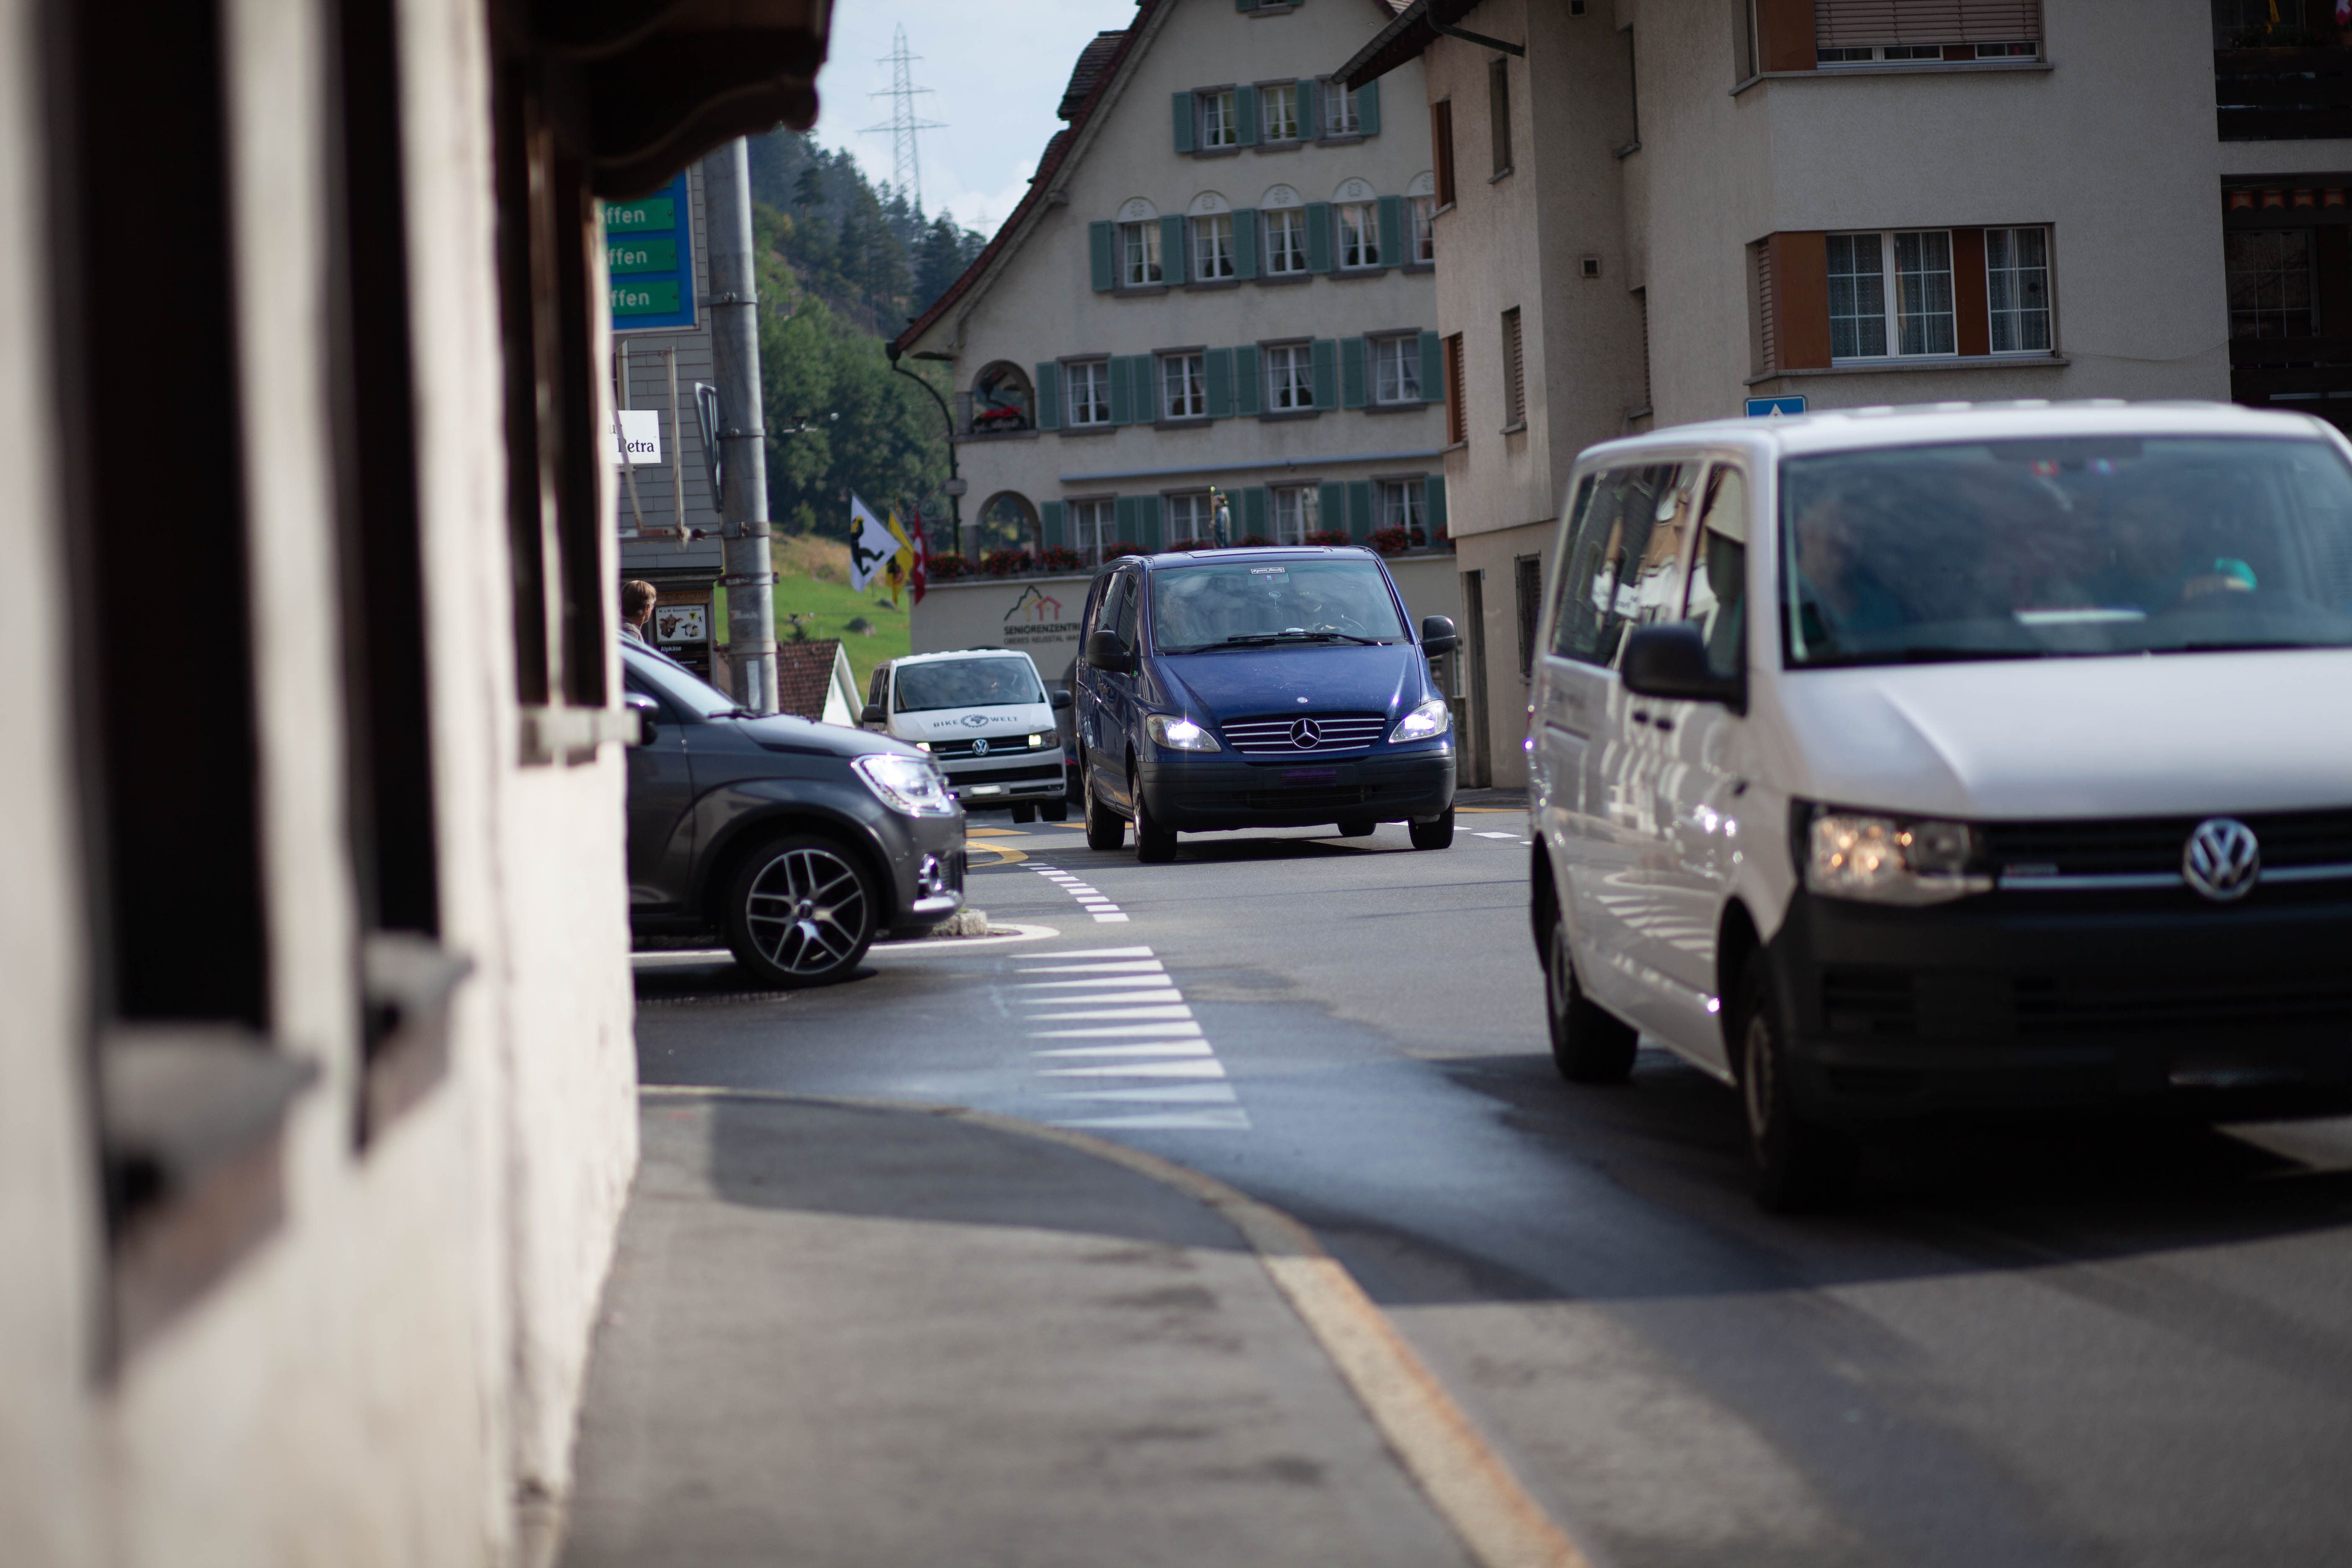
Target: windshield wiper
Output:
{"points": [[1300, 637], [1929, 654]]}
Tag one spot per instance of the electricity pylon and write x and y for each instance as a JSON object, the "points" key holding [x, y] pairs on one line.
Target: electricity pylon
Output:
{"points": [[902, 125]]}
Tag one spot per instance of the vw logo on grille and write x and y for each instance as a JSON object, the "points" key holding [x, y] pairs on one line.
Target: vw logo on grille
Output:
{"points": [[2223, 860], [1306, 734], [979, 747]]}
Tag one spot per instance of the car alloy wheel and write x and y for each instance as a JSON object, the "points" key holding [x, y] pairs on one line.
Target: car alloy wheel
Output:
{"points": [[1800, 1164], [1588, 1045], [803, 911], [1104, 829], [1154, 845]]}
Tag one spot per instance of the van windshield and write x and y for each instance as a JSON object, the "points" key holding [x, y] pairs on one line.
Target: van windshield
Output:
{"points": [[968, 683], [1257, 602], [2064, 547]]}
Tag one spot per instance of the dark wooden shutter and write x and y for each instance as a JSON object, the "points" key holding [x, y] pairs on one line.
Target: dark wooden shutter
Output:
{"points": [[1433, 500], [1425, 354], [1354, 358], [1441, 141], [1175, 264], [1971, 304], [1368, 108], [1101, 239], [1393, 248], [1245, 243], [1359, 509], [1785, 29], [1799, 263], [1051, 525], [1457, 413], [1181, 105], [1220, 368], [1319, 249], [1246, 114], [1049, 396], [1331, 507], [1255, 510], [1327, 372], [1245, 379]]}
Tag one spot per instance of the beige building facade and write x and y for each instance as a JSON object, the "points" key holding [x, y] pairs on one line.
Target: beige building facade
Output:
{"points": [[1708, 204]]}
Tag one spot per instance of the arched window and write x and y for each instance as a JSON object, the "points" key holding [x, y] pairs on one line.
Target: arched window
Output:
{"points": [[1002, 400], [1008, 523], [1137, 263]]}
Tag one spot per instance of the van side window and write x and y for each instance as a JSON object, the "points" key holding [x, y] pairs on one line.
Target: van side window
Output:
{"points": [[879, 685], [1718, 599], [1615, 573], [1124, 626]]}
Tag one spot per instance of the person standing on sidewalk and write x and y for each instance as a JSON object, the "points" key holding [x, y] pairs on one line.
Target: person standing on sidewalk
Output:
{"points": [[638, 598]]}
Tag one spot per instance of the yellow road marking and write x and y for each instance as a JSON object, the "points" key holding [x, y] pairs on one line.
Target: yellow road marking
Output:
{"points": [[994, 833], [1006, 854]]}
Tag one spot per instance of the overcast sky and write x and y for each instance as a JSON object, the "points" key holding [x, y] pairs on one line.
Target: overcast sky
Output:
{"points": [[997, 71]]}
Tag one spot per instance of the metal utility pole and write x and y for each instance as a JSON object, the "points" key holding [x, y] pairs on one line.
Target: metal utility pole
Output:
{"points": [[750, 579], [907, 167]]}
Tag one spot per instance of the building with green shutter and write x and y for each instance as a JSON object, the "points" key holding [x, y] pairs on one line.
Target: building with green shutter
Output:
{"points": [[1219, 286]]}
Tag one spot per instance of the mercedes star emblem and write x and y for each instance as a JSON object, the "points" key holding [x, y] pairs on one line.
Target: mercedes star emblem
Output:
{"points": [[2222, 860], [1306, 733]]}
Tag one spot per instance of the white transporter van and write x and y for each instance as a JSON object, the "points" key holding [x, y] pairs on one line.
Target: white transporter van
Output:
{"points": [[1894, 761], [986, 719]]}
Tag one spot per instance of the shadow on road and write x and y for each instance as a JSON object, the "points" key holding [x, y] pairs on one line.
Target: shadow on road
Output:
{"points": [[688, 977]]}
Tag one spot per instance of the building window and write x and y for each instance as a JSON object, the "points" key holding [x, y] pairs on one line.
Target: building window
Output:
{"points": [[1218, 128], [1278, 112], [1526, 579], [1396, 368], [2271, 294], [1341, 113], [1359, 234], [1421, 245], [2016, 288], [1138, 245], [1090, 393], [1404, 503], [1498, 110], [1286, 241], [1184, 387], [1289, 377], [1515, 382], [1093, 528], [1213, 247], [1915, 317], [1861, 32], [1296, 513], [1440, 138], [1188, 518], [1457, 417]]}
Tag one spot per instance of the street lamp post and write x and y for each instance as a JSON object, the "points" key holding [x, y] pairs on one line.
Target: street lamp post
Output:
{"points": [[955, 485]]}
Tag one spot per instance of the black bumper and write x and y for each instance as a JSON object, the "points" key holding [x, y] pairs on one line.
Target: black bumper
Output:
{"points": [[1022, 776], [2035, 1001], [1209, 795]]}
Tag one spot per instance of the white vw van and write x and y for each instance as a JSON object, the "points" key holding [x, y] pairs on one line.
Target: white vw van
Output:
{"points": [[1894, 761], [986, 719]]}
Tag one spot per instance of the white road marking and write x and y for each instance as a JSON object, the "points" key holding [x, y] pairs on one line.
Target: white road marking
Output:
{"points": [[1103, 909], [1116, 967], [1497, 835], [1102, 953], [1152, 1048], [1177, 1011], [1132, 1031], [1098, 999], [1235, 1120], [1174, 1094], [1102, 983], [1210, 1068], [1125, 999]]}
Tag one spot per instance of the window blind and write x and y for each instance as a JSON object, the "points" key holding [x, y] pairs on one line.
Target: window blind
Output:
{"points": [[1847, 23]]}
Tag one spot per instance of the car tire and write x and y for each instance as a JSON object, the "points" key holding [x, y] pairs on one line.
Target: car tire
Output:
{"points": [[1800, 1164], [1436, 833], [1104, 829], [1055, 810], [1358, 827], [802, 910], [1589, 1044], [1025, 812], [1154, 845]]}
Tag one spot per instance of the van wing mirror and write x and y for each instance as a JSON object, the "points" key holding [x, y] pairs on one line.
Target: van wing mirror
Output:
{"points": [[872, 714], [1670, 661], [1438, 636], [648, 712], [1061, 700], [1105, 651]]}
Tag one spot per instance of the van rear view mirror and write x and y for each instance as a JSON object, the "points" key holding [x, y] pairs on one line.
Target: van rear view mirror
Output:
{"points": [[1438, 636], [1670, 661]]}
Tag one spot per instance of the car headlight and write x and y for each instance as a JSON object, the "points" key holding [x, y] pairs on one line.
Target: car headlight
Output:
{"points": [[1432, 718], [909, 785], [1892, 860], [1178, 733], [1036, 740]]}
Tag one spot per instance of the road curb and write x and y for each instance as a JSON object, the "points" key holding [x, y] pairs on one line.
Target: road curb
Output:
{"points": [[1471, 1487]]}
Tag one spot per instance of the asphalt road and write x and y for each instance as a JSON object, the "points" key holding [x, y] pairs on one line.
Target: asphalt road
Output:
{"points": [[2064, 1344]]}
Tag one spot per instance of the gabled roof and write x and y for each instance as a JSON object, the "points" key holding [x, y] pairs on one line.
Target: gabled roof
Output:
{"points": [[1093, 60], [1412, 30], [804, 672]]}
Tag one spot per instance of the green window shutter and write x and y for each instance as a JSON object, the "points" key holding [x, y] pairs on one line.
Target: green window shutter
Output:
{"points": [[1392, 231], [1144, 371], [1124, 511], [1368, 108], [1050, 516], [1321, 251], [1245, 243], [1100, 239], [1432, 369], [1255, 512], [1331, 507], [1245, 379], [1150, 535], [1433, 489], [1354, 360], [1122, 407], [1359, 509], [1049, 397], [1175, 263], [1220, 383], [1327, 373], [1310, 110], [1183, 106], [1246, 114], [1244, 4]]}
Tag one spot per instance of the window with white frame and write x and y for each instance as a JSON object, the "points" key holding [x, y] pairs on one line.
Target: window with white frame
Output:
{"points": [[1284, 231], [1093, 528], [1360, 234], [1422, 212], [1138, 247], [2016, 288], [1212, 247], [1396, 368], [1870, 320], [1295, 513], [1404, 503], [1188, 516], [1218, 127], [1339, 118], [1289, 377], [1277, 113], [1089, 388], [1183, 387]]}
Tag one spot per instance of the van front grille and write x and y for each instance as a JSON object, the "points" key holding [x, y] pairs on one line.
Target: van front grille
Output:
{"points": [[1303, 734]]}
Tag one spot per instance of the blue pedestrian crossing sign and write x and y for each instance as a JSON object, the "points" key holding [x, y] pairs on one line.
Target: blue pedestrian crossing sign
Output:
{"points": [[1774, 407]]}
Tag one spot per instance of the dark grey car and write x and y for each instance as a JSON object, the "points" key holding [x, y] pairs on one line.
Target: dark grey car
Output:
{"points": [[796, 843]]}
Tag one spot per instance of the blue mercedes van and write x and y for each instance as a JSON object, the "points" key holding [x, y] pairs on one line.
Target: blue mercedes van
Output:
{"points": [[1262, 688]]}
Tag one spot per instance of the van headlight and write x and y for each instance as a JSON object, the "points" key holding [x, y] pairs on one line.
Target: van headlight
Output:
{"points": [[1892, 859], [1178, 733], [912, 785], [1432, 718]]}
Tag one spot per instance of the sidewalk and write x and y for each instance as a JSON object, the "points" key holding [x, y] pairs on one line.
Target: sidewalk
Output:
{"points": [[862, 1337]]}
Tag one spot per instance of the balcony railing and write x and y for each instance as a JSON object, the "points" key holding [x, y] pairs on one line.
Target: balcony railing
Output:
{"points": [[2283, 95]]}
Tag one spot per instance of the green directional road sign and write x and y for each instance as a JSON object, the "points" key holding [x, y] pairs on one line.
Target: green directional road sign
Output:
{"points": [[640, 255], [652, 297], [653, 214], [649, 259]]}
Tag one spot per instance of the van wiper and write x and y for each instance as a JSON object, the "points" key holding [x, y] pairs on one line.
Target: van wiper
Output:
{"points": [[1298, 635]]}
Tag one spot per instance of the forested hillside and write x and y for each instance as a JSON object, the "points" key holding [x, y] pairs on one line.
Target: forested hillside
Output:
{"points": [[844, 266]]}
